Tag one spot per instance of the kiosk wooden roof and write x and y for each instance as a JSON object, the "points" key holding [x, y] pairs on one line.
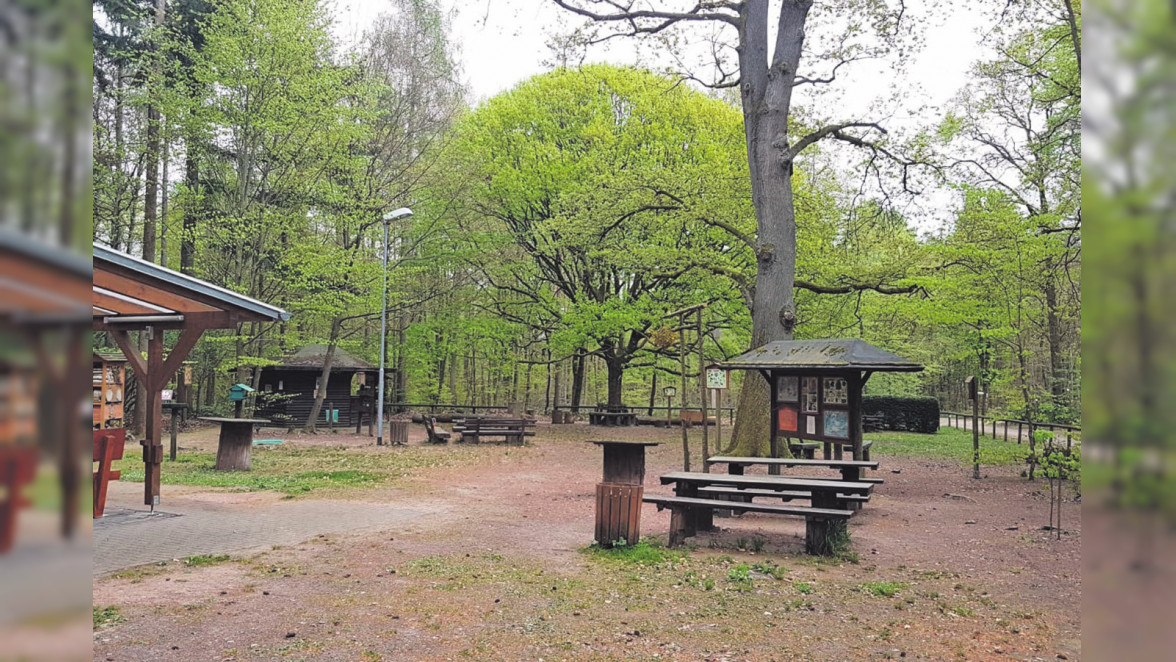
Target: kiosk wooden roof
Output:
{"points": [[822, 355], [131, 294]]}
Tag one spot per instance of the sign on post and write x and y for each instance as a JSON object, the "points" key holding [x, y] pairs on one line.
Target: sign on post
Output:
{"points": [[716, 377]]}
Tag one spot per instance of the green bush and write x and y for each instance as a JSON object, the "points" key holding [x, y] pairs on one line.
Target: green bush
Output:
{"points": [[902, 414]]}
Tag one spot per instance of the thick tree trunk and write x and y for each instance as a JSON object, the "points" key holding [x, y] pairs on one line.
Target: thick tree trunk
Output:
{"points": [[1057, 379], [767, 99], [577, 380], [616, 381]]}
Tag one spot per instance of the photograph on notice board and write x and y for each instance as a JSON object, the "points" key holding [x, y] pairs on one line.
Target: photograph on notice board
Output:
{"points": [[787, 389], [837, 424], [787, 419], [808, 395], [810, 424], [836, 391]]}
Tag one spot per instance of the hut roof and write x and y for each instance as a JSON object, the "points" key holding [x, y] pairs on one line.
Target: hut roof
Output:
{"points": [[312, 357], [825, 354]]}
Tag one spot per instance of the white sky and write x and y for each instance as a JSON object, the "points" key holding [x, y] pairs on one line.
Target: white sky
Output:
{"points": [[503, 42]]}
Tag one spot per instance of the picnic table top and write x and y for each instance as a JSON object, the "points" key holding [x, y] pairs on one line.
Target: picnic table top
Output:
{"points": [[218, 419], [792, 462], [847, 487]]}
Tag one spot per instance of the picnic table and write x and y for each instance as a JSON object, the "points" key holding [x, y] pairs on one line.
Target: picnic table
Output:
{"points": [[612, 418], [234, 450], [689, 512], [511, 429]]}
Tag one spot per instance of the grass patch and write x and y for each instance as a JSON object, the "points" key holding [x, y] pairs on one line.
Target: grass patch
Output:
{"points": [[298, 471], [107, 616], [949, 444], [884, 589], [647, 552], [205, 560], [770, 569]]}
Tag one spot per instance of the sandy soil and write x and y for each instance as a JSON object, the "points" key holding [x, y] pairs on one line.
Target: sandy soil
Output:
{"points": [[501, 575]]}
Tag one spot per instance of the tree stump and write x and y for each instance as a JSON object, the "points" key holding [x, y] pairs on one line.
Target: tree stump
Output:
{"points": [[823, 536]]}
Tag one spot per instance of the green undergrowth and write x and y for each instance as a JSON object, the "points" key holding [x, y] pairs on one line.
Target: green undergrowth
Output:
{"points": [[947, 444], [107, 616], [298, 471], [650, 552]]}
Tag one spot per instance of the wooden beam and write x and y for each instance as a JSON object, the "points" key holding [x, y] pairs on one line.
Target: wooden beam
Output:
{"points": [[179, 352], [123, 339], [153, 293], [121, 306]]}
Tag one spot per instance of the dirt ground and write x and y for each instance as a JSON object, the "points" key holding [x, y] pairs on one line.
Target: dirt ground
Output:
{"points": [[501, 574]]}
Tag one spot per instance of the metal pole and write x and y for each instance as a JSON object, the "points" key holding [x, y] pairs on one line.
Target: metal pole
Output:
{"points": [[383, 332]]}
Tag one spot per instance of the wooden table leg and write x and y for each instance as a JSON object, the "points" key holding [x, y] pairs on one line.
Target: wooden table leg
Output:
{"points": [[235, 448]]}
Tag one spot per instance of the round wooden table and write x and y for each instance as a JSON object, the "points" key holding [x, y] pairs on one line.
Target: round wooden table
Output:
{"points": [[234, 451]]}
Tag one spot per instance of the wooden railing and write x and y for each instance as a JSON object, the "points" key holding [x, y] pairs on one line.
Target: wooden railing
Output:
{"points": [[964, 421]]}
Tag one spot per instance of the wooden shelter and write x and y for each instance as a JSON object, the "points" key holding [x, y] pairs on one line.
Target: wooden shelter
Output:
{"points": [[299, 376], [130, 294], [43, 292], [816, 387]]}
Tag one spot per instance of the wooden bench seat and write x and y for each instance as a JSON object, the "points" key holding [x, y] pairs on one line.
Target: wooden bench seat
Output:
{"points": [[435, 436], [683, 522], [786, 495]]}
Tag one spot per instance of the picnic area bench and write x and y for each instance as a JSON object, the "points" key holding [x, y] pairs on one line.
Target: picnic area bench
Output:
{"points": [[435, 436], [690, 512], [612, 418], [513, 430], [18, 467], [108, 447]]}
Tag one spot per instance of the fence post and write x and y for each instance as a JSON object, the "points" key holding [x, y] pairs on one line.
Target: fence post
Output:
{"points": [[1018, 432], [994, 428], [1006, 431]]}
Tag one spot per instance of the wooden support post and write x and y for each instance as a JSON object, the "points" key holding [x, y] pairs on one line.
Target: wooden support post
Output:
{"points": [[682, 408], [175, 428], [975, 437]]}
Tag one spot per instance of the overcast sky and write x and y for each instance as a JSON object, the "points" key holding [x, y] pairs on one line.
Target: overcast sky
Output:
{"points": [[503, 42]]}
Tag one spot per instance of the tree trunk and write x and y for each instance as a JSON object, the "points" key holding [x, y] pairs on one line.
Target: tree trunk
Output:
{"points": [[1057, 379], [766, 96], [653, 392], [577, 380], [616, 378], [191, 210], [324, 378]]}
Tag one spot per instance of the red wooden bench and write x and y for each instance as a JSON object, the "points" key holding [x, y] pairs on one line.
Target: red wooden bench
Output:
{"points": [[18, 467], [108, 447]]}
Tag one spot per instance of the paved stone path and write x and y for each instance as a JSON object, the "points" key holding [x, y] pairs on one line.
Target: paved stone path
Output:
{"points": [[43, 574], [219, 523]]}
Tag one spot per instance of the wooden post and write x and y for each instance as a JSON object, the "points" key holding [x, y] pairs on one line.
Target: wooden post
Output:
{"points": [[153, 443], [702, 393], [975, 437], [175, 429], [718, 396], [855, 413]]}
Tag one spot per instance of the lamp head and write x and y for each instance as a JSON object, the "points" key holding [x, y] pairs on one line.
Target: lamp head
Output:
{"points": [[396, 215]]}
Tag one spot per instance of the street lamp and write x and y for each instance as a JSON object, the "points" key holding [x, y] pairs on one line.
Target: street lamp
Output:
{"points": [[403, 212]]}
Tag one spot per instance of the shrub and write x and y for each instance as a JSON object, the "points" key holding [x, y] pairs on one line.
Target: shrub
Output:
{"points": [[902, 414]]}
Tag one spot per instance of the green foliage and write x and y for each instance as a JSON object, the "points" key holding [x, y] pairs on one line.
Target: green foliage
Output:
{"points": [[949, 444]]}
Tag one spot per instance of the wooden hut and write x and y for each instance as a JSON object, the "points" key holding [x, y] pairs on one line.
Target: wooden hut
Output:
{"points": [[298, 377]]}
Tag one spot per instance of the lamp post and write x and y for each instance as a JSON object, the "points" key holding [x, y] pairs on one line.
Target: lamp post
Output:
{"points": [[403, 212]]}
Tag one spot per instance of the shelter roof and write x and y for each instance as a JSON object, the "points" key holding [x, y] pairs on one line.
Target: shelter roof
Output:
{"points": [[130, 292], [822, 355], [40, 283], [312, 357]]}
